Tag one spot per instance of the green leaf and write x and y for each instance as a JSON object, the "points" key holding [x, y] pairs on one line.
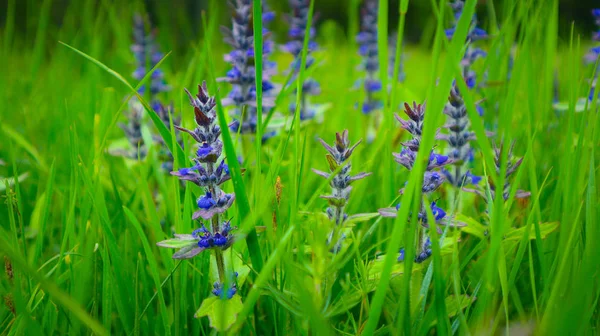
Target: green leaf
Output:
{"points": [[361, 217], [177, 242], [545, 230], [221, 313]]}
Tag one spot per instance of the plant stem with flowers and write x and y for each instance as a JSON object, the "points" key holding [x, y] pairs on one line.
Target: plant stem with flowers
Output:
{"points": [[338, 161], [209, 172], [310, 87], [242, 74], [511, 167], [591, 57], [432, 180]]}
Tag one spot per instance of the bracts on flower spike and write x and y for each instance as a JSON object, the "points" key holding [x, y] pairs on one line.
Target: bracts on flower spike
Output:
{"points": [[209, 172], [511, 168], [432, 178], [339, 171], [458, 138], [147, 55]]}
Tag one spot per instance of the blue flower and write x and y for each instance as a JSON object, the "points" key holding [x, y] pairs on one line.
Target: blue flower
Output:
{"points": [[471, 81], [218, 290], [474, 179], [206, 201], [199, 232], [268, 17], [401, 255], [372, 85], [234, 73], [241, 58], [422, 256], [298, 26], [219, 240], [438, 213], [205, 241], [479, 110], [204, 150], [437, 159]]}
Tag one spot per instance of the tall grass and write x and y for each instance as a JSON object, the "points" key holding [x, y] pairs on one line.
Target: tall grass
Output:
{"points": [[78, 228]]}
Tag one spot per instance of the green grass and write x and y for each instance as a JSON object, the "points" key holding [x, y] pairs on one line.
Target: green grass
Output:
{"points": [[78, 226]]}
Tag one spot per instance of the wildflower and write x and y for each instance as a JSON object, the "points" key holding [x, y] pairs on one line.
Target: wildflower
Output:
{"points": [[367, 39], [242, 74], [511, 167], [432, 178], [147, 55], [339, 166], [472, 52], [368, 49], [209, 174], [592, 55], [298, 26], [220, 291], [458, 139]]}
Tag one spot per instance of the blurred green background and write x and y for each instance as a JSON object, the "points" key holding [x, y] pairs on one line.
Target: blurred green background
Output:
{"points": [[183, 16]]}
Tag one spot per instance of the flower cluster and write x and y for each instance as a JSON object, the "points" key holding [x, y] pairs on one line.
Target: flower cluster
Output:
{"points": [[339, 166], [432, 178], [458, 138], [242, 74], [511, 168], [592, 55], [472, 52], [209, 173], [220, 291], [367, 39], [147, 55], [298, 26]]}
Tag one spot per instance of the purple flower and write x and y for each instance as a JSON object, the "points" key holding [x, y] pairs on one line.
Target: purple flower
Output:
{"points": [[147, 55], [432, 178], [592, 55], [219, 291], [472, 52], [298, 26], [338, 157], [204, 150], [209, 175], [367, 39], [241, 76], [372, 85], [438, 213], [500, 191]]}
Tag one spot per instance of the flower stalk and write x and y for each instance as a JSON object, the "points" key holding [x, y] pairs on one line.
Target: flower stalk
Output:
{"points": [[338, 157], [209, 172], [432, 180]]}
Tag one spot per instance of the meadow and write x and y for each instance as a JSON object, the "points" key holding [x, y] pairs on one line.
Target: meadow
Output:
{"points": [[347, 182]]}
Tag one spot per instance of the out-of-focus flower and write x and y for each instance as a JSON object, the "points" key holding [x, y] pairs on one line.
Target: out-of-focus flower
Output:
{"points": [[511, 167], [298, 21], [242, 74]]}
